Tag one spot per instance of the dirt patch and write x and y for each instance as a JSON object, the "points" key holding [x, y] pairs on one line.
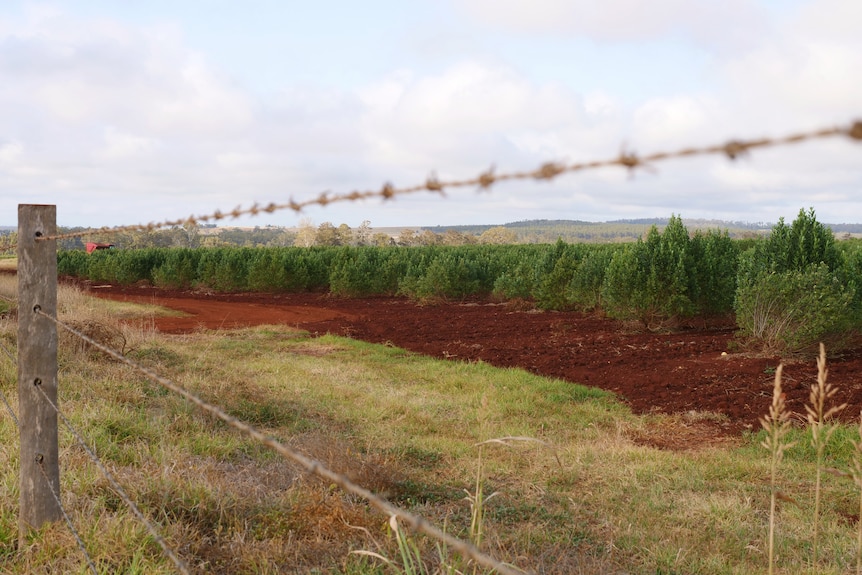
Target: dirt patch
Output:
{"points": [[682, 432], [678, 373]]}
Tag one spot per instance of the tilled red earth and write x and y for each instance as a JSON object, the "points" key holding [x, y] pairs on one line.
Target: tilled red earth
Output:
{"points": [[679, 372]]}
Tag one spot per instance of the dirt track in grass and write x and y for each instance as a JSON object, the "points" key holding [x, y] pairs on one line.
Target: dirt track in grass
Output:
{"points": [[680, 372]]}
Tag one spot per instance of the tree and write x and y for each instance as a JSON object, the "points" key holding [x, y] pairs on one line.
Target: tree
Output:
{"points": [[327, 235], [428, 238], [456, 238], [343, 235], [795, 247], [8, 239], [192, 231], [284, 239], [499, 235], [306, 233], [363, 234], [408, 237], [382, 240]]}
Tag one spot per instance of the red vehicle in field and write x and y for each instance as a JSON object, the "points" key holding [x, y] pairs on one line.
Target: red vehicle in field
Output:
{"points": [[92, 246]]}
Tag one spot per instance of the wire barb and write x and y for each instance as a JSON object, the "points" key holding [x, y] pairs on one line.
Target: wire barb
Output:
{"points": [[312, 466], [181, 567], [550, 170]]}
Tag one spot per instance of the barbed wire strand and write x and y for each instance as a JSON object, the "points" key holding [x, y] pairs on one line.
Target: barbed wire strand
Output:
{"points": [[181, 567], [9, 409], [69, 522], [312, 466], [8, 353], [733, 149], [3, 395]]}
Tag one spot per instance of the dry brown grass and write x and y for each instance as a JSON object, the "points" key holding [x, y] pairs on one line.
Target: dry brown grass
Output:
{"points": [[605, 501]]}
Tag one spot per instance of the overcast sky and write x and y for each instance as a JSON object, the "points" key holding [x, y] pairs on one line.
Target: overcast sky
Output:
{"points": [[129, 112]]}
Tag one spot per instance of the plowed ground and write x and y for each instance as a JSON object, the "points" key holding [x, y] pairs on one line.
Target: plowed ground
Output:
{"points": [[679, 372]]}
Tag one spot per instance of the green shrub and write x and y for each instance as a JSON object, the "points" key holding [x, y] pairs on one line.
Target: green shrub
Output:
{"points": [[225, 269], [791, 312], [517, 283], [714, 266], [553, 287], [585, 288], [797, 288], [449, 275], [649, 281], [73, 263], [178, 270], [266, 271]]}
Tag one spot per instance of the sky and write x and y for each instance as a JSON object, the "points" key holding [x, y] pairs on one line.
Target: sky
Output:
{"points": [[131, 112]]}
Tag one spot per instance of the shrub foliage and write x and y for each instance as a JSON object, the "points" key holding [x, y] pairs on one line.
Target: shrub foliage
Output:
{"points": [[797, 289], [669, 275], [789, 290]]}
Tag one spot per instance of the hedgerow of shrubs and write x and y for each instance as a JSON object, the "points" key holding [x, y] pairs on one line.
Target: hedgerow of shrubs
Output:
{"points": [[789, 291]]}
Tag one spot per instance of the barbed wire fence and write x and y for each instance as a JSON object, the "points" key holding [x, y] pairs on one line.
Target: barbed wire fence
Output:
{"points": [[44, 487], [48, 466], [631, 161]]}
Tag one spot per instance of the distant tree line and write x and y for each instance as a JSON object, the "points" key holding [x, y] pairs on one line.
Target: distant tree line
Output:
{"points": [[307, 234]]}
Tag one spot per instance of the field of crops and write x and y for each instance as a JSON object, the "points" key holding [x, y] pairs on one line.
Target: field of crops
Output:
{"points": [[788, 292]]}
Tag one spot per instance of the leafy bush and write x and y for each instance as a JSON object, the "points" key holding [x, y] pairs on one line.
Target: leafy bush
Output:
{"points": [[449, 275], [804, 243], [73, 263], [178, 270], [797, 288], [225, 269], [791, 312], [714, 265], [649, 281], [553, 288], [585, 288], [517, 283]]}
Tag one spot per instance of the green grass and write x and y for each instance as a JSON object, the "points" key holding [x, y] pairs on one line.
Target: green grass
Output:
{"points": [[590, 499]]}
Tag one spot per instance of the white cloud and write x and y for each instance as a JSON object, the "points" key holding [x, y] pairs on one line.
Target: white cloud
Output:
{"points": [[804, 72], [677, 120], [473, 114], [120, 145], [719, 24], [136, 117], [10, 154]]}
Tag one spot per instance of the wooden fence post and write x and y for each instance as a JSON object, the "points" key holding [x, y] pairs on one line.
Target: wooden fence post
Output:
{"points": [[37, 365]]}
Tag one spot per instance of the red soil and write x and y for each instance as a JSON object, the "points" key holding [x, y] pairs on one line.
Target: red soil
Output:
{"points": [[679, 372]]}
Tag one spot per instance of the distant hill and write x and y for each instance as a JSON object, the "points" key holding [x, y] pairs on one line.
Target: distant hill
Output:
{"points": [[537, 231], [545, 231]]}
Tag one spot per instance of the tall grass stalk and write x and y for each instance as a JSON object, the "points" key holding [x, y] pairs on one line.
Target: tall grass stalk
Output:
{"points": [[411, 556], [777, 426], [856, 472], [820, 434]]}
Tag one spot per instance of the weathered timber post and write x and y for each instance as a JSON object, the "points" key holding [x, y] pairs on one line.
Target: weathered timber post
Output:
{"points": [[37, 365]]}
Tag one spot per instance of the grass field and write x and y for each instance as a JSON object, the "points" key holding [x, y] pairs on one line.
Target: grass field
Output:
{"points": [[8, 262], [589, 497]]}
